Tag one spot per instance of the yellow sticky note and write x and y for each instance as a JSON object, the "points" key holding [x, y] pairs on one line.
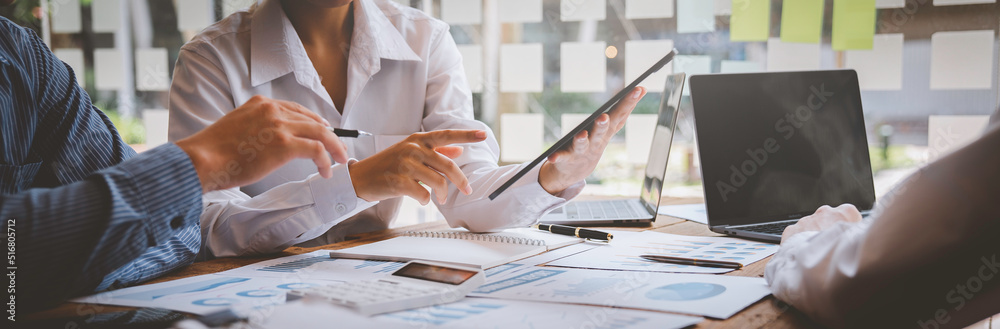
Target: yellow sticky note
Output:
{"points": [[750, 21], [853, 24], [802, 21]]}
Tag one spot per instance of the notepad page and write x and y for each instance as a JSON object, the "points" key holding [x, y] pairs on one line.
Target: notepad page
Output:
{"points": [[481, 254]]}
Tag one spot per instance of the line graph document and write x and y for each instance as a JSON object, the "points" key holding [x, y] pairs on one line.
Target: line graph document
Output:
{"points": [[623, 253], [699, 294]]}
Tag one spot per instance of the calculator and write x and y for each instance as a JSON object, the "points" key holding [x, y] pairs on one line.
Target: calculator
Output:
{"points": [[416, 284]]}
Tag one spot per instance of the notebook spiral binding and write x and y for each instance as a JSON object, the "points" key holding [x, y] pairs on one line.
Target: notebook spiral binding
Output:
{"points": [[477, 237]]}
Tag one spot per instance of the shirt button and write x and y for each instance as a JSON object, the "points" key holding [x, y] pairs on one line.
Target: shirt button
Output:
{"points": [[341, 208], [177, 222]]}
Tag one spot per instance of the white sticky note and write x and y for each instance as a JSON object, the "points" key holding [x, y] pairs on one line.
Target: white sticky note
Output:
{"points": [[961, 2], [519, 11], [65, 16], [635, 9], [582, 10], [109, 73], [723, 7], [472, 61], [880, 68], [694, 16], [583, 67], [521, 68], [740, 67], [231, 6], [155, 122], [193, 15], [74, 58], [692, 65], [946, 133], [151, 70], [886, 4], [462, 11], [106, 16], [521, 136], [962, 60], [787, 56], [639, 130], [403, 2], [568, 121], [640, 55]]}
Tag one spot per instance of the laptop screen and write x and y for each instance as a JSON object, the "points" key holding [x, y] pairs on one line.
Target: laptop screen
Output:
{"points": [[777, 146], [663, 136]]}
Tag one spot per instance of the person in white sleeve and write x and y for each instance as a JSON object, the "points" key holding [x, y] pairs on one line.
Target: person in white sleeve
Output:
{"points": [[371, 65], [928, 257]]}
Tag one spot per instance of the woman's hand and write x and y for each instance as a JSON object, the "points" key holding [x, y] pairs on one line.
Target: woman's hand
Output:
{"points": [[420, 158], [573, 164]]}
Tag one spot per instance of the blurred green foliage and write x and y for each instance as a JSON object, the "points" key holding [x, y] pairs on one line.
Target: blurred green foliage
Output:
{"points": [[131, 129]]}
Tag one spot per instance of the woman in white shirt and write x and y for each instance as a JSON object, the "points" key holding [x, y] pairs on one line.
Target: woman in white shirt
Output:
{"points": [[371, 65]]}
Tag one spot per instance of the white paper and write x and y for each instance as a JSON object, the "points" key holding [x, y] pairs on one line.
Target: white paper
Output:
{"points": [[723, 7], [695, 16], [74, 58], [639, 130], [462, 11], [151, 70], [316, 265], [640, 55], [193, 15], [623, 253], [740, 67], [582, 10], [692, 65], [789, 56], [471, 313], [961, 2], [880, 68], [472, 61], [635, 9], [583, 67], [946, 133], [231, 6], [155, 122], [570, 121], [65, 16], [521, 136], [106, 16], [521, 68], [716, 296], [206, 294], [109, 73], [519, 11], [885, 4], [962, 60], [692, 212]]}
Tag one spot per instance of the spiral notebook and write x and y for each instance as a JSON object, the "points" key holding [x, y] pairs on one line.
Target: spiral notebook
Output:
{"points": [[460, 247]]}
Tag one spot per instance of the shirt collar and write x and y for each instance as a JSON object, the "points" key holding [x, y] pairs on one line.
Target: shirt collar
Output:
{"points": [[275, 48]]}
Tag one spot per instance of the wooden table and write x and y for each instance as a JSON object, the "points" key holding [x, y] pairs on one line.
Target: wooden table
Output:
{"points": [[766, 313]]}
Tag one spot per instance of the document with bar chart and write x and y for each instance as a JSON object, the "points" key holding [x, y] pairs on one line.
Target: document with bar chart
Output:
{"points": [[317, 265], [624, 251]]}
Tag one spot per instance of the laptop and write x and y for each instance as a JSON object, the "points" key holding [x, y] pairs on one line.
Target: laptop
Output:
{"points": [[776, 146], [643, 208]]}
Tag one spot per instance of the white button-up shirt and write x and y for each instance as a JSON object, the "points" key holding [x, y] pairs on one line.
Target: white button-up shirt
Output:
{"points": [[405, 75]]}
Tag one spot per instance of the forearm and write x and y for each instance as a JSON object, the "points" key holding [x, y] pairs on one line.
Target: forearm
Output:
{"points": [[70, 237]]}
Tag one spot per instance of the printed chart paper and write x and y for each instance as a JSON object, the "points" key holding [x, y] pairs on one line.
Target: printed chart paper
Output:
{"points": [[692, 212]]}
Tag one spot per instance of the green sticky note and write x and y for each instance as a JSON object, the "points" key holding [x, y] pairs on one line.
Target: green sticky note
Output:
{"points": [[802, 21], [750, 21], [853, 24]]}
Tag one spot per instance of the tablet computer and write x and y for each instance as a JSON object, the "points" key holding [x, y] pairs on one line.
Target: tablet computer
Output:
{"points": [[586, 124]]}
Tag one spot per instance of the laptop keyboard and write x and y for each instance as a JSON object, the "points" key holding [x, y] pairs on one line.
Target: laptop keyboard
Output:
{"points": [[770, 228], [616, 209]]}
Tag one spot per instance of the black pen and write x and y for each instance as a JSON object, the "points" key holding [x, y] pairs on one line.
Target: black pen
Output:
{"points": [[575, 231], [348, 132], [692, 261]]}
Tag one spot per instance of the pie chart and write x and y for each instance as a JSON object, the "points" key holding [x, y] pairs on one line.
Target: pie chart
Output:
{"points": [[687, 291], [258, 293]]}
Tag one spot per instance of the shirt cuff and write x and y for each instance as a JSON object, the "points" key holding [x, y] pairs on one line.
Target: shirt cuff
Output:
{"points": [[167, 185], [336, 195], [536, 200]]}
